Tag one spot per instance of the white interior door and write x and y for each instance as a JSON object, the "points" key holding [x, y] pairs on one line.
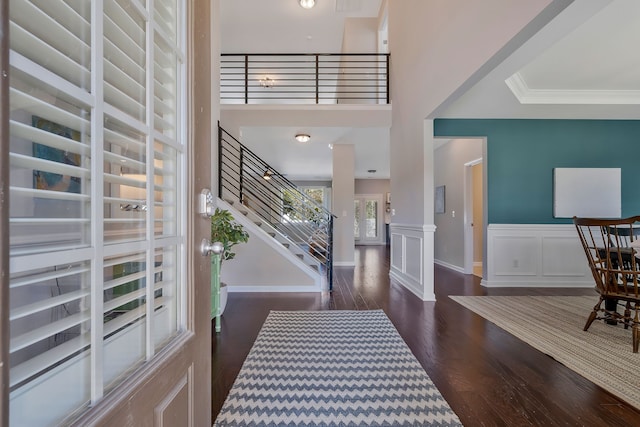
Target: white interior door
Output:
{"points": [[368, 219], [473, 217]]}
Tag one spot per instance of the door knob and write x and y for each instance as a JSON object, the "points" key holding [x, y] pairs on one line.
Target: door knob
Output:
{"points": [[206, 247]]}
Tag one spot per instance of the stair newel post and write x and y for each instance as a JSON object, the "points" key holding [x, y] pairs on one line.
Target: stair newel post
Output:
{"points": [[330, 254], [241, 195], [219, 161]]}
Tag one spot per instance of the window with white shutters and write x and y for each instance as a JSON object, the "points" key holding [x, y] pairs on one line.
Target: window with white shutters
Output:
{"points": [[96, 197]]}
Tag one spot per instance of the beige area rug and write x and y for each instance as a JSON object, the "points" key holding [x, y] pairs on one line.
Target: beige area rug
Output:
{"points": [[553, 325]]}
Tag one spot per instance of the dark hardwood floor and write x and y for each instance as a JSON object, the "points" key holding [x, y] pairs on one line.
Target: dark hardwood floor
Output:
{"points": [[489, 377]]}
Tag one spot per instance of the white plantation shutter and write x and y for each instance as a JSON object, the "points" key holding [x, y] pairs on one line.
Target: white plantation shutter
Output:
{"points": [[96, 197]]}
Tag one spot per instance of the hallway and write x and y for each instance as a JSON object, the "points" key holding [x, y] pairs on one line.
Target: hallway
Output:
{"points": [[488, 376]]}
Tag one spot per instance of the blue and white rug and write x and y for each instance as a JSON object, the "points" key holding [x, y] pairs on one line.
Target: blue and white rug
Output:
{"points": [[333, 368]]}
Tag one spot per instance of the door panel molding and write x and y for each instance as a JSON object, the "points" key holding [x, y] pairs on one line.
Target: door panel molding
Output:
{"points": [[178, 404]]}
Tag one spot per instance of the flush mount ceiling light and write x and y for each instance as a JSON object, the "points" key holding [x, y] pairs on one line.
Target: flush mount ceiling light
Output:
{"points": [[267, 175], [302, 137], [266, 82], [307, 4]]}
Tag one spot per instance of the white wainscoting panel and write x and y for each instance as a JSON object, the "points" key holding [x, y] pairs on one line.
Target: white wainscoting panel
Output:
{"points": [[517, 255], [563, 256], [411, 251], [545, 255], [413, 255], [397, 253]]}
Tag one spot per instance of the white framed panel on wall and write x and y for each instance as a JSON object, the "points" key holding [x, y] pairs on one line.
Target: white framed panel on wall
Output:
{"points": [[397, 252], [515, 255], [563, 256], [587, 192], [413, 251]]}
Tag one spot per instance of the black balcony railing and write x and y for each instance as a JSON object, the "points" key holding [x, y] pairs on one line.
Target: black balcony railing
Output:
{"points": [[320, 78], [245, 178]]}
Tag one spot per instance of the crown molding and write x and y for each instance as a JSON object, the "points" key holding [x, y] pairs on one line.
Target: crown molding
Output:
{"points": [[526, 95]]}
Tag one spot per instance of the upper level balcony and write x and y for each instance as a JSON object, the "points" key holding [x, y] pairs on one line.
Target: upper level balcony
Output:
{"points": [[305, 78]]}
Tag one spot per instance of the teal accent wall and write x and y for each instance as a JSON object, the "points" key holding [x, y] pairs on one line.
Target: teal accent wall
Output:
{"points": [[521, 156]]}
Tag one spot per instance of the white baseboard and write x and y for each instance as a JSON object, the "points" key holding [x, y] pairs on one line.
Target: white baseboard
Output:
{"points": [[258, 288], [396, 278], [449, 266], [344, 264], [535, 284]]}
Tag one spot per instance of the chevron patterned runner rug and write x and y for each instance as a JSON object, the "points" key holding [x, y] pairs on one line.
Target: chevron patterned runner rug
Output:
{"points": [[333, 368]]}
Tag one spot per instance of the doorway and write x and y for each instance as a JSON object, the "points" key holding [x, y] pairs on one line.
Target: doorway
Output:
{"points": [[474, 218], [368, 219]]}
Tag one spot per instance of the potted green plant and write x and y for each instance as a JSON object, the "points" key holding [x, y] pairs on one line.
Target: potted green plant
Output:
{"points": [[226, 230]]}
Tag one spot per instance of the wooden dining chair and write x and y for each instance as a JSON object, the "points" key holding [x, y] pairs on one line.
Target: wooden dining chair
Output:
{"points": [[612, 247]]}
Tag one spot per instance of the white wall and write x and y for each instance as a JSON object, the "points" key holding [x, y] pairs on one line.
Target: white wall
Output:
{"points": [[360, 35], [432, 59], [373, 186], [233, 117], [257, 267]]}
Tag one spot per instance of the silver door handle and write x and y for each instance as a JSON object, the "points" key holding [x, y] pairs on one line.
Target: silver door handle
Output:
{"points": [[206, 247]]}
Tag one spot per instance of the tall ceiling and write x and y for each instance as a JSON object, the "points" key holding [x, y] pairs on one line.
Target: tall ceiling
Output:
{"points": [[282, 26], [584, 64]]}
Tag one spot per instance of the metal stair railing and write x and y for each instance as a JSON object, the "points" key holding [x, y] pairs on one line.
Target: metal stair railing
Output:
{"points": [[304, 78], [245, 178]]}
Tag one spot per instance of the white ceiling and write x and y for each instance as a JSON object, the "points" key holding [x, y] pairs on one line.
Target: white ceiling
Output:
{"points": [[282, 26], [313, 160], [605, 50], [584, 64]]}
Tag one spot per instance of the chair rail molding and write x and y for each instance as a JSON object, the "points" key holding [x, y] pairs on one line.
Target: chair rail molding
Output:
{"points": [[412, 258], [535, 255]]}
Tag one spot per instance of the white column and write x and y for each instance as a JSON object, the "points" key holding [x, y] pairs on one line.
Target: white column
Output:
{"points": [[343, 192]]}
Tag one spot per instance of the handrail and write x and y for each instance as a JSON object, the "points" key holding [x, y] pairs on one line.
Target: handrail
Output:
{"points": [[242, 178], [304, 78]]}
